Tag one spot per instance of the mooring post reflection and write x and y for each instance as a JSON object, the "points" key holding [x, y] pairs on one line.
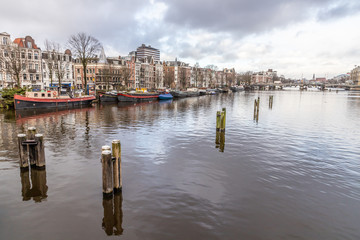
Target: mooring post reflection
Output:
{"points": [[222, 142], [25, 184], [113, 215], [37, 190], [108, 220], [118, 214]]}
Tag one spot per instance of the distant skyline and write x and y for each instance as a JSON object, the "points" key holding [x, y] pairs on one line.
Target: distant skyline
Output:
{"points": [[296, 38]]}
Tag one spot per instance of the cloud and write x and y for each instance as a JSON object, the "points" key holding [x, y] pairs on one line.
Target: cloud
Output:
{"points": [[338, 10], [239, 16]]}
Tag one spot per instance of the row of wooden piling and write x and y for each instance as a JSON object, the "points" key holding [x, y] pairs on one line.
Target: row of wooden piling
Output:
{"points": [[111, 168], [257, 106], [31, 149]]}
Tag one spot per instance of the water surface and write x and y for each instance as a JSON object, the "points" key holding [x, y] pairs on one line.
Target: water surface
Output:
{"points": [[294, 174]]}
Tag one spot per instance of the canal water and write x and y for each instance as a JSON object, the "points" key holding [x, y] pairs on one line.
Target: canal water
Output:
{"points": [[294, 174]]}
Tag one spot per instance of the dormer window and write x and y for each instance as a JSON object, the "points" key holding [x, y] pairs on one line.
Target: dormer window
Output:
{"points": [[4, 40], [29, 45]]}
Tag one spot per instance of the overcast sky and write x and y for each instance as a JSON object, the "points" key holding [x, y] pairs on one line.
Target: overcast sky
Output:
{"points": [[295, 37]]}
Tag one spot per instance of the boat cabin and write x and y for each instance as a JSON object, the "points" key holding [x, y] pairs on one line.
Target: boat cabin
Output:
{"points": [[44, 94]]}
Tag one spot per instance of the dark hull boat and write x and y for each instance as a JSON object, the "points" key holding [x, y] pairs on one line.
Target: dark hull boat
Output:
{"points": [[22, 102], [108, 97], [178, 94], [137, 97]]}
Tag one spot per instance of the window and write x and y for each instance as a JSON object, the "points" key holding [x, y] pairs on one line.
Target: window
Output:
{"points": [[78, 70], [4, 40], [31, 77], [35, 94], [22, 54], [43, 94], [24, 76], [36, 55], [6, 54], [49, 94], [29, 45], [36, 67], [29, 55], [37, 77], [30, 66]]}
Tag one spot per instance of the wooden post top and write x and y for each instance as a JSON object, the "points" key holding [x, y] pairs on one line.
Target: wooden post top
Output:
{"points": [[106, 152], [21, 135], [105, 147]]}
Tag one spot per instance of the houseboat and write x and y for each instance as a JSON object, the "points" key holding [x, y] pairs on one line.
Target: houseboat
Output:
{"points": [[50, 99], [137, 97]]}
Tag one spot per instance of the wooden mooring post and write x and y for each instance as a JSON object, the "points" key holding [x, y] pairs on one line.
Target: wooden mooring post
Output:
{"points": [[223, 120], [39, 152], [271, 99], [116, 152], [256, 109], [220, 129], [31, 145], [107, 172], [31, 149], [111, 168], [23, 152]]}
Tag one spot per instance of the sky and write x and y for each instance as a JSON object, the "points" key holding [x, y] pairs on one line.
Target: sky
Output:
{"points": [[296, 38]]}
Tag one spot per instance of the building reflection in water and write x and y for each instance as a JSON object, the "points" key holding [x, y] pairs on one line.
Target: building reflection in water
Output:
{"points": [[113, 215], [37, 188]]}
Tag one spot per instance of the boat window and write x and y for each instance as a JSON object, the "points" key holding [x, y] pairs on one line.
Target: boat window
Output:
{"points": [[35, 94], [43, 94], [49, 95]]}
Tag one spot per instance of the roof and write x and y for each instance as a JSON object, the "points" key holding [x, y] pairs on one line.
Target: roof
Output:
{"points": [[20, 42]]}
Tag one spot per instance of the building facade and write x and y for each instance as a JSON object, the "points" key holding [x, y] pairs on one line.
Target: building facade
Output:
{"points": [[147, 51], [355, 75], [20, 62]]}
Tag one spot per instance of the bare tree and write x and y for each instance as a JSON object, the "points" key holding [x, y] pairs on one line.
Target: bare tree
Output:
{"points": [[158, 77], [49, 58], [196, 73], [59, 64], [168, 78], [126, 74], [246, 77], [85, 48], [182, 77], [211, 70], [10, 59]]}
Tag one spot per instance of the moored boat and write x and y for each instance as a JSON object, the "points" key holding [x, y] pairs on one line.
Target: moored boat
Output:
{"points": [[49, 99], [178, 94], [137, 97], [237, 88], [109, 97], [165, 96], [291, 88]]}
